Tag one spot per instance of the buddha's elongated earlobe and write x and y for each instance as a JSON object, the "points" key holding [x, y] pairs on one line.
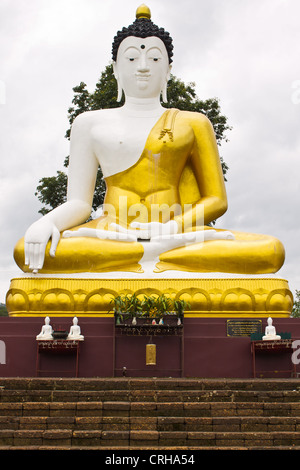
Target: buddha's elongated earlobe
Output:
{"points": [[165, 86], [164, 93], [120, 92]]}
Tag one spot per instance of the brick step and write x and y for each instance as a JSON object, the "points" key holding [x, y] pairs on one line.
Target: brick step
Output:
{"points": [[90, 438], [150, 409], [160, 424], [149, 395], [98, 384], [149, 413]]}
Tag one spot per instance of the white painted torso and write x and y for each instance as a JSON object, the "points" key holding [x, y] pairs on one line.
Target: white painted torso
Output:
{"points": [[118, 137]]}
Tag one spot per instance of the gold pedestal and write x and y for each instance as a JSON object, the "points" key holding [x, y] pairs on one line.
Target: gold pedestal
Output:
{"points": [[208, 297]]}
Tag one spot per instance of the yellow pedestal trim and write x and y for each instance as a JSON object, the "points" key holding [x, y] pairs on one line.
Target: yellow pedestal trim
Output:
{"points": [[235, 297]]}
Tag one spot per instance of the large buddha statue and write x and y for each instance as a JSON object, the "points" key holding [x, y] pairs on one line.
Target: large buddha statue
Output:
{"points": [[164, 183]]}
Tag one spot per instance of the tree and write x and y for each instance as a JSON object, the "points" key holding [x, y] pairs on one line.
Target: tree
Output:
{"points": [[3, 310], [51, 191], [296, 307]]}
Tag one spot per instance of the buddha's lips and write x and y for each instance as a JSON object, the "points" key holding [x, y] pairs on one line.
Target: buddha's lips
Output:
{"points": [[142, 77]]}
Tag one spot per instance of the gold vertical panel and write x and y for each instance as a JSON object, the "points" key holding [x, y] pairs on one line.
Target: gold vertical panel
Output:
{"points": [[151, 354]]}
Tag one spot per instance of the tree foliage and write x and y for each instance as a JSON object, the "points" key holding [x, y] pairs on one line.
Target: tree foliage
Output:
{"points": [[3, 310], [296, 307], [51, 191]]}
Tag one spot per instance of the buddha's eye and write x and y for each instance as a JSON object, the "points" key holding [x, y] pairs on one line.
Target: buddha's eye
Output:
{"points": [[131, 59], [155, 59]]}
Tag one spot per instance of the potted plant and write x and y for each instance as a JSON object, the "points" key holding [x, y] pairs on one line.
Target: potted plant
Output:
{"points": [[164, 306], [180, 306], [119, 307], [126, 306], [156, 307], [134, 306], [152, 307], [149, 307]]}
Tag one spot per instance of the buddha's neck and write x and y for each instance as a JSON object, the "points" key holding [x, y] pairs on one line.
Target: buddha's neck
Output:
{"points": [[147, 107]]}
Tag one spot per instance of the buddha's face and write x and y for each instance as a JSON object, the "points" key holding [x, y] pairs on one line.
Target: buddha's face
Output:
{"points": [[142, 67]]}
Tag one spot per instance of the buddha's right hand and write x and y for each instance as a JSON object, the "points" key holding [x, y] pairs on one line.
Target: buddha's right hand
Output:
{"points": [[36, 239]]}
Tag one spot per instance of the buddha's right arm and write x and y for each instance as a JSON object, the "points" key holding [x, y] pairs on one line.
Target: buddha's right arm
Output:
{"points": [[81, 183]]}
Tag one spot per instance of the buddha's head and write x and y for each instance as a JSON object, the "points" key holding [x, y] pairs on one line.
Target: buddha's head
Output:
{"points": [[142, 55]]}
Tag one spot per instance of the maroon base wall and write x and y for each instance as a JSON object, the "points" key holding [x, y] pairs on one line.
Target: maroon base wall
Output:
{"points": [[205, 351]]}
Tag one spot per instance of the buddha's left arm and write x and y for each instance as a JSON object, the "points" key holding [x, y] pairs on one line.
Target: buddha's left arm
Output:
{"points": [[207, 168]]}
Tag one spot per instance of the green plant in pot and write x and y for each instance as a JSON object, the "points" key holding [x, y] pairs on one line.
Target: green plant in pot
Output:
{"points": [[180, 305], [134, 306], [118, 308], [149, 306], [126, 306], [164, 306]]}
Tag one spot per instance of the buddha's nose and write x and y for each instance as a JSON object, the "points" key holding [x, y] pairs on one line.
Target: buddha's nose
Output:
{"points": [[142, 65]]}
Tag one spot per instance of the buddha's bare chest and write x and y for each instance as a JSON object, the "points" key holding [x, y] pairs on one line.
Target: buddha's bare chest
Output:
{"points": [[128, 132], [118, 145]]}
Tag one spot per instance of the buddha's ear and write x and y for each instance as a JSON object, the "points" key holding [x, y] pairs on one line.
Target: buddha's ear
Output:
{"points": [[169, 72], [164, 89], [116, 74], [115, 69]]}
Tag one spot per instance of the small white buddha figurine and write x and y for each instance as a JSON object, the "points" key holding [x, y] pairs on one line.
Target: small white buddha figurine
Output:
{"points": [[75, 331], [270, 331], [46, 331]]}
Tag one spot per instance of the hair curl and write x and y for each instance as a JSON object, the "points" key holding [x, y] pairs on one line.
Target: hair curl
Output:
{"points": [[143, 28]]}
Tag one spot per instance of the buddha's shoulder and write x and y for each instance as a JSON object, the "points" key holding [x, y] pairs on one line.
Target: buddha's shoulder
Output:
{"points": [[90, 118], [194, 118]]}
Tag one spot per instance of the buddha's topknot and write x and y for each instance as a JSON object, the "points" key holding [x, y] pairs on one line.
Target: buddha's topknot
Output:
{"points": [[143, 27]]}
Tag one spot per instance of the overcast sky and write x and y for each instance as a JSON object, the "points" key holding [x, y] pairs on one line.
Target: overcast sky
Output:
{"points": [[245, 52]]}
